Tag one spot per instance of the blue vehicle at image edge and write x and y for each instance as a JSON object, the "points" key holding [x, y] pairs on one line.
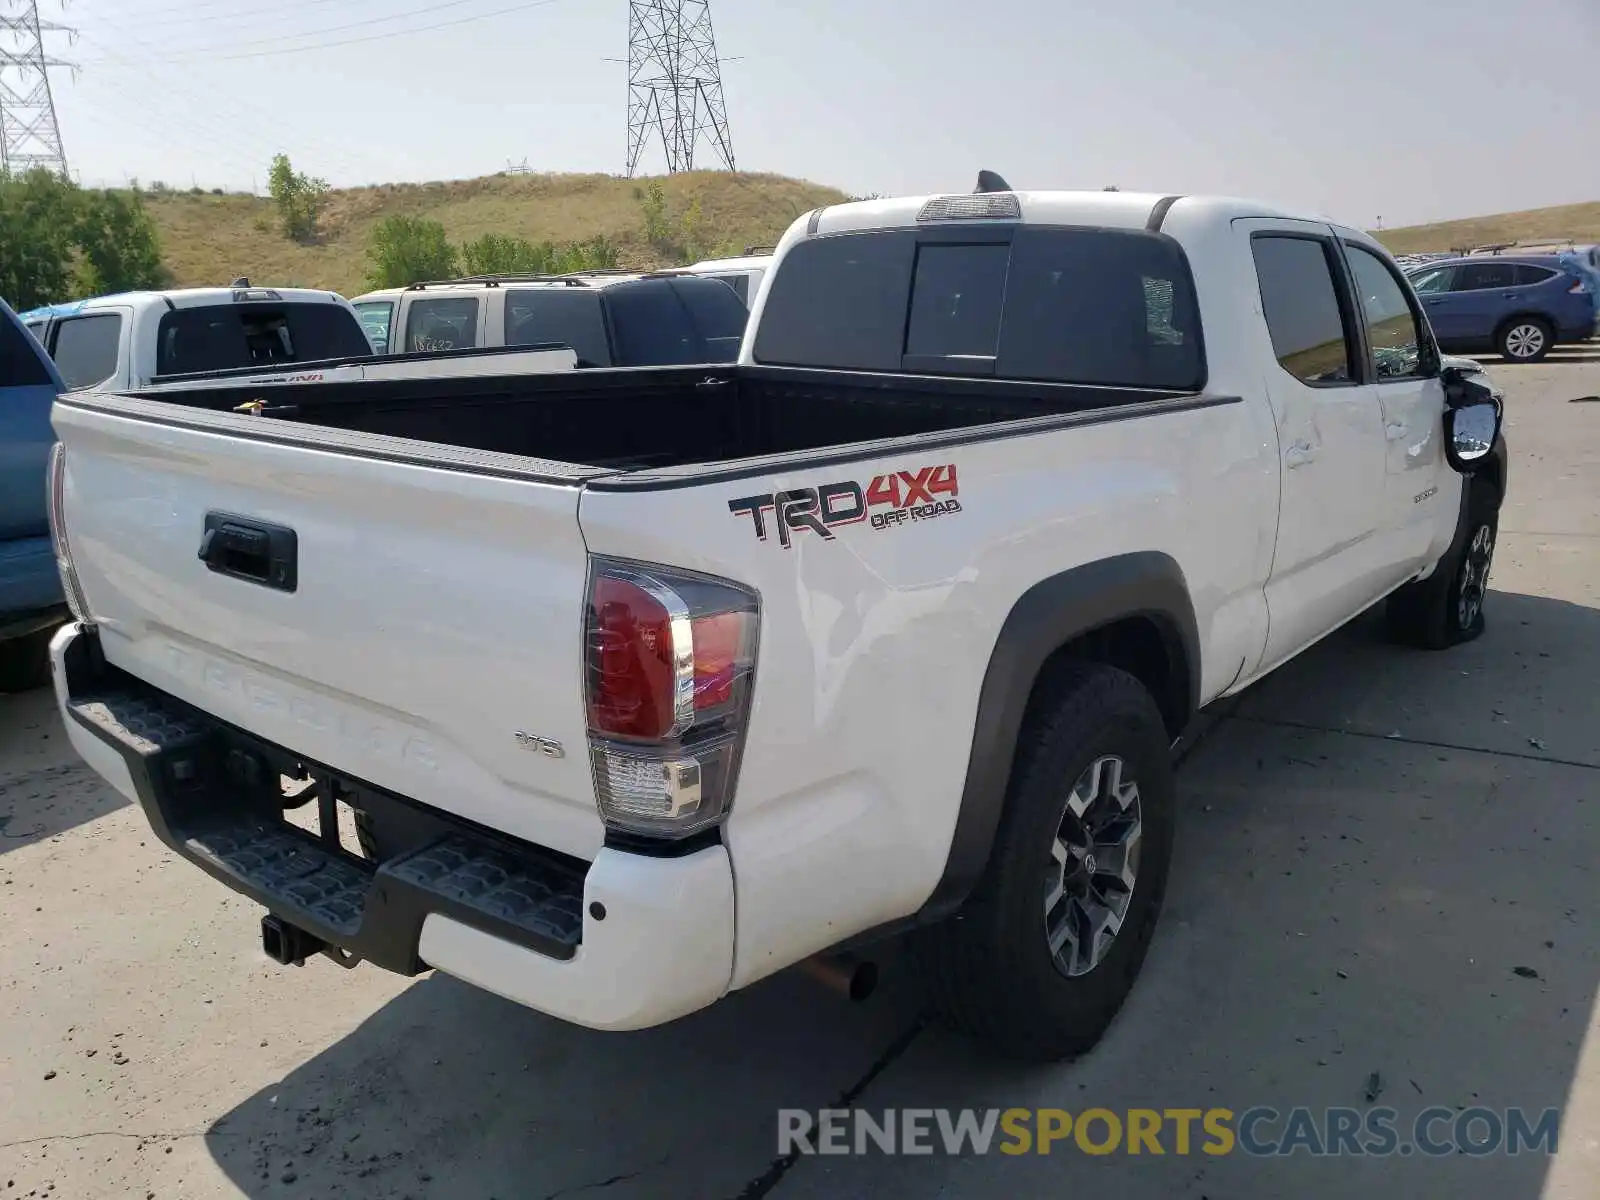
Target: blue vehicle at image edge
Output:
{"points": [[31, 602], [1516, 305]]}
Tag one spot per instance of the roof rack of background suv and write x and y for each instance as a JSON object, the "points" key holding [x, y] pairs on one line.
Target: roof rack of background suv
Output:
{"points": [[497, 280], [752, 251]]}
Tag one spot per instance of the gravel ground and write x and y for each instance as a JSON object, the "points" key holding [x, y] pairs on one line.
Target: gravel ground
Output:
{"points": [[1385, 866]]}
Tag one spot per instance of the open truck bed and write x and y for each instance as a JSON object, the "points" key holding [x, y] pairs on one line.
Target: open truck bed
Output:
{"points": [[649, 419]]}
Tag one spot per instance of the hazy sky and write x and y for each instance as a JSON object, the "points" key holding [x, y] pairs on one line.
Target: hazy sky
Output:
{"points": [[1411, 110]]}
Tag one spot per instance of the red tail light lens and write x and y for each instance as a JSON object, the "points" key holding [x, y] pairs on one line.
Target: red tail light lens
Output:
{"points": [[671, 657]]}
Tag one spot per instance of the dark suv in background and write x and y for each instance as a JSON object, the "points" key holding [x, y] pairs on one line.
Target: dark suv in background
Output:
{"points": [[1518, 306]]}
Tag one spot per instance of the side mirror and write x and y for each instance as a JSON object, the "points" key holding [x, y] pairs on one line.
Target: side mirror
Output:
{"points": [[1472, 415]]}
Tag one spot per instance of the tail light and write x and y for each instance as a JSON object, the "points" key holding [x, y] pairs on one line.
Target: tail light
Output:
{"points": [[57, 510], [1578, 288], [671, 661]]}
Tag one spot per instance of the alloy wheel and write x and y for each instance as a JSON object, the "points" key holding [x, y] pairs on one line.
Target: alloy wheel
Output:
{"points": [[1524, 341], [1094, 865], [1474, 576]]}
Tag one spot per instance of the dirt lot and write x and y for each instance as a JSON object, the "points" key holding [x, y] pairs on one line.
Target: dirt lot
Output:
{"points": [[1371, 843]]}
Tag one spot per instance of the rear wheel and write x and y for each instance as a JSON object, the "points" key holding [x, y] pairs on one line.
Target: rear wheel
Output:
{"points": [[1524, 339], [1042, 956], [25, 661]]}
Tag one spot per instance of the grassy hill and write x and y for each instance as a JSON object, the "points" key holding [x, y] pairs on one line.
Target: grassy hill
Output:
{"points": [[1579, 222], [208, 239]]}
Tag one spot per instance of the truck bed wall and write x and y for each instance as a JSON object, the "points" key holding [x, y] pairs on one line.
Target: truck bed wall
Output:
{"points": [[665, 418]]}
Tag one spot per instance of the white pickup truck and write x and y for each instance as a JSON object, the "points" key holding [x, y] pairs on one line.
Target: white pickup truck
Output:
{"points": [[644, 684]]}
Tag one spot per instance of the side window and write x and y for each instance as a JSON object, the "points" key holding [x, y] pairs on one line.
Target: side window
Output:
{"points": [[86, 349], [1528, 275], [376, 316], [20, 363], [1431, 283], [651, 326], [568, 315], [442, 323], [718, 316], [1480, 277], [956, 298], [1392, 331], [1301, 306]]}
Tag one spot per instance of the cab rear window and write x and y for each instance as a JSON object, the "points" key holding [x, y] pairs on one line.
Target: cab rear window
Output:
{"points": [[225, 337], [1094, 306]]}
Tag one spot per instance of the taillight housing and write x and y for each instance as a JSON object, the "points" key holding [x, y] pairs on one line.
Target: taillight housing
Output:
{"points": [[1578, 288], [56, 490], [670, 667]]}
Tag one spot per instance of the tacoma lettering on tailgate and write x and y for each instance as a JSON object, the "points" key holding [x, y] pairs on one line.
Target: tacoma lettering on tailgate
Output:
{"points": [[888, 501]]}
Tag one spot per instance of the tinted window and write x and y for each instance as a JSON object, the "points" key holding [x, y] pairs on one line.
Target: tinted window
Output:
{"points": [[1102, 307], [375, 317], [740, 285], [717, 314], [956, 296], [1301, 306], [568, 315], [839, 301], [1527, 275], [1477, 277], [226, 337], [442, 323], [651, 326], [1429, 283], [86, 349], [20, 361], [1393, 337]]}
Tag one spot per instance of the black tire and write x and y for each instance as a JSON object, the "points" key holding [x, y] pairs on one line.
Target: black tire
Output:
{"points": [[25, 661], [1524, 339], [1446, 609], [989, 969]]}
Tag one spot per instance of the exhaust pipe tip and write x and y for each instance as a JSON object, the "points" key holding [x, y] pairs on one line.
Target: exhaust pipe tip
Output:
{"points": [[853, 979]]}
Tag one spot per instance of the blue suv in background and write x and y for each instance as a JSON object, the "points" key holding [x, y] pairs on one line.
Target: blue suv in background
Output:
{"points": [[1516, 305], [31, 603]]}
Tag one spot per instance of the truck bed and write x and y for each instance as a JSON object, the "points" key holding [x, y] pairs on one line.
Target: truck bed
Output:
{"points": [[656, 418]]}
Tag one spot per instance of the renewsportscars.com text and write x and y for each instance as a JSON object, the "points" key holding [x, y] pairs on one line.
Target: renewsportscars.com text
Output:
{"points": [[1260, 1131]]}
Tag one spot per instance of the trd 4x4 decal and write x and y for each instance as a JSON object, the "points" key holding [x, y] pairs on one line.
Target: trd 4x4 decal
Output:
{"points": [[888, 501]]}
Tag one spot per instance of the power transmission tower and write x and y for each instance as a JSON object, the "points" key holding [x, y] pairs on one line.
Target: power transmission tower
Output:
{"points": [[675, 83], [30, 135]]}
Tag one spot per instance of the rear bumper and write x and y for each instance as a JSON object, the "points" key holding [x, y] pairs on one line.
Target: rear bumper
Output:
{"points": [[624, 942]]}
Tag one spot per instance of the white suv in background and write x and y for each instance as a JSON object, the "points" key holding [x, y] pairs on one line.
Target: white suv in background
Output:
{"points": [[743, 274], [609, 318]]}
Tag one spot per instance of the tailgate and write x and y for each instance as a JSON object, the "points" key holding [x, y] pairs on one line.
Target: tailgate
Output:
{"points": [[436, 612]]}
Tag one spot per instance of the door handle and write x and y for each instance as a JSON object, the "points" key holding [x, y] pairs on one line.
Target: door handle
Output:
{"points": [[1299, 454], [1396, 430], [1510, 295]]}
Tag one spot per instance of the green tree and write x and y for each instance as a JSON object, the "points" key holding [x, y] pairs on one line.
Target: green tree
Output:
{"points": [[298, 197], [37, 218], [57, 241], [409, 250], [496, 254], [657, 228], [120, 249]]}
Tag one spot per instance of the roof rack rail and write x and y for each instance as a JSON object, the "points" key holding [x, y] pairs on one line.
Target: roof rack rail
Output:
{"points": [[497, 280], [751, 251]]}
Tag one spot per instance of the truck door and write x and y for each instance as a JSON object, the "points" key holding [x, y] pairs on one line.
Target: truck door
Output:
{"points": [[1330, 436], [1420, 490]]}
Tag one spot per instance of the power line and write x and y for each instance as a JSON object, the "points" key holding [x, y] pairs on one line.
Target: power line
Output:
{"points": [[289, 37], [373, 37]]}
